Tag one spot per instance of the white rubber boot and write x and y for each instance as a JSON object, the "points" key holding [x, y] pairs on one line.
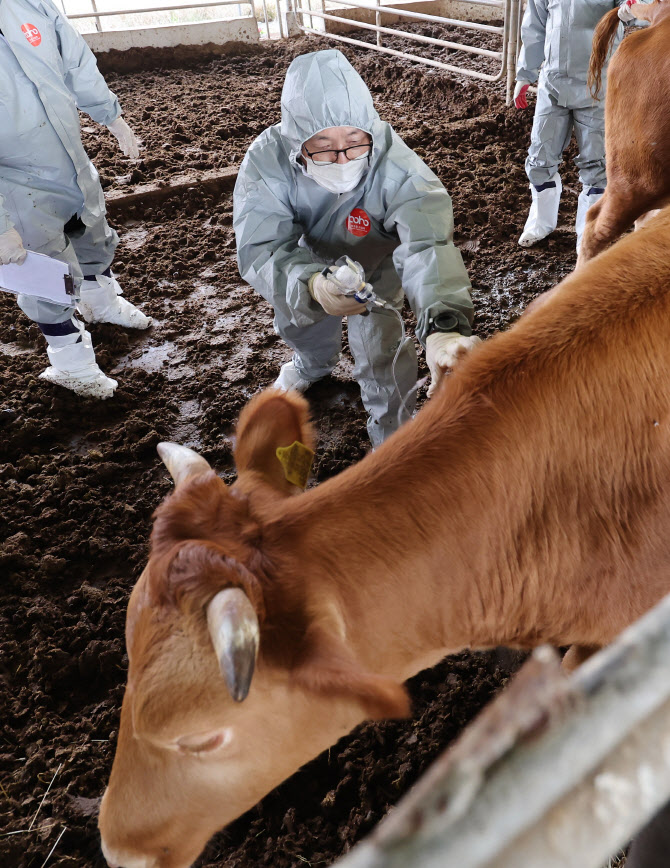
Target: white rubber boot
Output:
{"points": [[589, 196], [101, 301], [289, 379], [74, 367], [543, 214]]}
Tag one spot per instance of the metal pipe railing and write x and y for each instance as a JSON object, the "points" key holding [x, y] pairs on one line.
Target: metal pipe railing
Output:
{"points": [[170, 8], [437, 64], [265, 15], [418, 37], [559, 771]]}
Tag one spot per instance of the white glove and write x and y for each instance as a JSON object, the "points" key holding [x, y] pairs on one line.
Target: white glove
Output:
{"points": [[127, 139], [11, 248], [444, 350], [624, 12], [330, 297]]}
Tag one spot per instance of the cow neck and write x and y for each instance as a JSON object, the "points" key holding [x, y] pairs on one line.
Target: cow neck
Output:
{"points": [[369, 542]]}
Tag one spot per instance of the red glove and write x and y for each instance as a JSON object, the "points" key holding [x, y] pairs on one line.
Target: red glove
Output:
{"points": [[520, 100]]}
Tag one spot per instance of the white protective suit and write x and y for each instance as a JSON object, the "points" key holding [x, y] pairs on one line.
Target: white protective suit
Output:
{"points": [[397, 222], [557, 36], [49, 189]]}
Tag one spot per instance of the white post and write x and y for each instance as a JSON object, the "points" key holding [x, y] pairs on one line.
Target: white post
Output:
{"points": [[512, 8], [98, 25]]}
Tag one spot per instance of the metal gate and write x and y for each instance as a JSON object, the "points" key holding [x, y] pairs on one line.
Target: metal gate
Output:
{"points": [[508, 33]]}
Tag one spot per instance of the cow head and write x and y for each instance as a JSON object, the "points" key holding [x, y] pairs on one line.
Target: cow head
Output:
{"points": [[239, 671]]}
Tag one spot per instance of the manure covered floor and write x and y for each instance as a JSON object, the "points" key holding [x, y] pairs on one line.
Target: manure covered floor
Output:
{"points": [[80, 480]]}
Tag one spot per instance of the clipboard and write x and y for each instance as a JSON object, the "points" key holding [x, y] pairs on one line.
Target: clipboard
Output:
{"points": [[41, 277]]}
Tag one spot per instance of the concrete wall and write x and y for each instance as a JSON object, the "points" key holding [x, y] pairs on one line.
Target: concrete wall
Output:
{"points": [[172, 35]]}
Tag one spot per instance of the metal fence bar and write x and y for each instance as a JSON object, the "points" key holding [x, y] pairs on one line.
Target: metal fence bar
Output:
{"points": [[265, 15], [557, 771], [418, 37], [161, 8], [459, 69], [513, 48], [279, 18], [98, 25]]}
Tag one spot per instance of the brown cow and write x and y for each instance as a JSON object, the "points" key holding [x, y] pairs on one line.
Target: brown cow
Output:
{"points": [[528, 502], [637, 125]]}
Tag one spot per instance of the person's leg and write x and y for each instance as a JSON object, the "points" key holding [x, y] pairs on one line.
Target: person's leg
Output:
{"points": [[590, 135], [69, 346], [373, 341], [316, 351], [552, 128], [101, 294]]}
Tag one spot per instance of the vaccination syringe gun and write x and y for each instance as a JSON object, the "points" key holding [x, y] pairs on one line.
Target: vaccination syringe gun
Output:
{"points": [[349, 278]]}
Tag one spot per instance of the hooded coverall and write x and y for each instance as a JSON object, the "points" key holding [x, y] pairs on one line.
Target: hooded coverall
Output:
{"points": [[46, 178], [397, 222], [557, 35]]}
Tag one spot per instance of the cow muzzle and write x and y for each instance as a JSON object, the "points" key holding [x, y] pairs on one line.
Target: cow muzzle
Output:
{"points": [[121, 860]]}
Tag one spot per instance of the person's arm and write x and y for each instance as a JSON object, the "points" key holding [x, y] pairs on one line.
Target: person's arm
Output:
{"points": [[11, 244], [81, 74], [429, 265], [267, 235], [5, 220], [533, 32]]}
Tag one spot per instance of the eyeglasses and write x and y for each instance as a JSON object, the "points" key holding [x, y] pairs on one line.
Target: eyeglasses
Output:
{"points": [[355, 152]]}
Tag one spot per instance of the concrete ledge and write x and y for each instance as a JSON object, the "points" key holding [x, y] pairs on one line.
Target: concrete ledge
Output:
{"points": [[170, 35], [146, 195]]}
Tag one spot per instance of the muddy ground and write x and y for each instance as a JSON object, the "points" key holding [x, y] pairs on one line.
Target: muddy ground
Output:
{"points": [[81, 479]]}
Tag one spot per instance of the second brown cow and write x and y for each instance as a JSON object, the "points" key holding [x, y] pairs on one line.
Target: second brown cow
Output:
{"points": [[637, 125]]}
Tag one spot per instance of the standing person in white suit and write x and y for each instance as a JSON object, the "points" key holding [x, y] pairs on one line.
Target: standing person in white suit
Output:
{"points": [[51, 200], [557, 36]]}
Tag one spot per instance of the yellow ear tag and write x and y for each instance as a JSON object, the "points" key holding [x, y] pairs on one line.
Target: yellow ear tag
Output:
{"points": [[296, 460]]}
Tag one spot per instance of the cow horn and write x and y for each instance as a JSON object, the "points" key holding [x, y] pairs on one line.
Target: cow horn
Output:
{"points": [[181, 461], [233, 627]]}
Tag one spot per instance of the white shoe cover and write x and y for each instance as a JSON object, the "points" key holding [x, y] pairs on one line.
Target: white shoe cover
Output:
{"points": [[101, 301], [584, 202], [543, 214], [290, 379], [74, 367]]}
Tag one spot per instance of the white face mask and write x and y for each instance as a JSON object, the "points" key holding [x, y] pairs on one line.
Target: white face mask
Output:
{"points": [[337, 177]]}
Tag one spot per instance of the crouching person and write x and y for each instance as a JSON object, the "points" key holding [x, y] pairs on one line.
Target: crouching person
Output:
{"points": [[51, 200], [332, 180]]}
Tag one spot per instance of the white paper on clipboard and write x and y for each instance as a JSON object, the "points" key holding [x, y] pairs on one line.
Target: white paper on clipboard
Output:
{"points": [[41, 277]]}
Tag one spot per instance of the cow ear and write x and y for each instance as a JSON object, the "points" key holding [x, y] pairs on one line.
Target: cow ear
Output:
{"points": [[274, 420], [329, 668]]}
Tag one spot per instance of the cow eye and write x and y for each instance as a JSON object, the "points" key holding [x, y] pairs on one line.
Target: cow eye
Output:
{"points": [[202, 743]]}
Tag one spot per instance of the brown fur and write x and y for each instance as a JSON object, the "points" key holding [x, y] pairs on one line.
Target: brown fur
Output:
{"points": [[637, 125], [527, 503]]}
